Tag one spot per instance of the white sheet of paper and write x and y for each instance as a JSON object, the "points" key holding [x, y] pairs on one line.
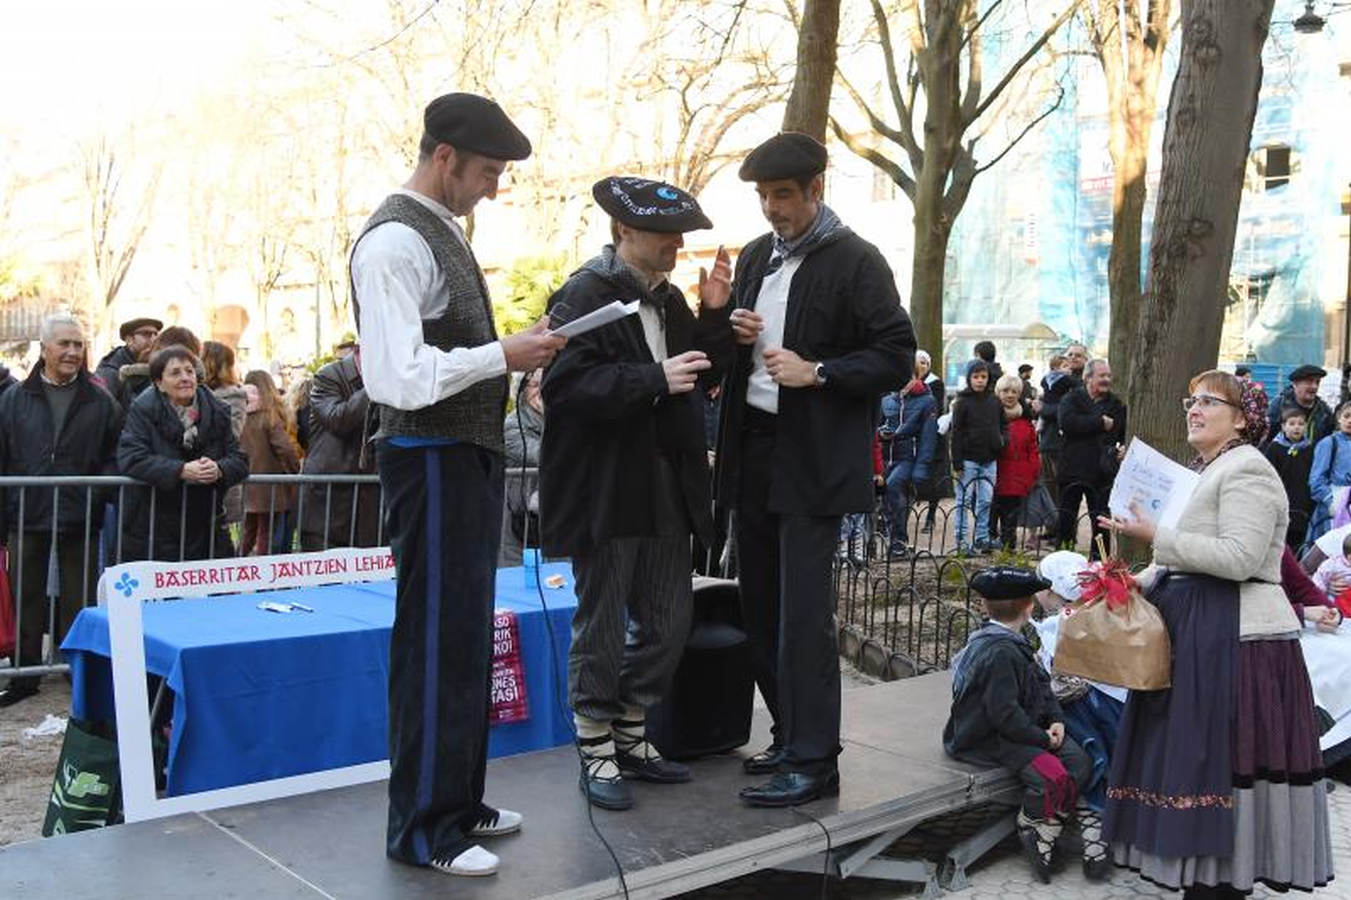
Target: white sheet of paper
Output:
{"points": [[612, 312], [1159, 486]]}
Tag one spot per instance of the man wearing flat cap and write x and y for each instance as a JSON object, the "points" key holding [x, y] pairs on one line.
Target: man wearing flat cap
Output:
{"points": [[821, 337], [138, 336], [1302, 394], [624, 478], [432, 360]]}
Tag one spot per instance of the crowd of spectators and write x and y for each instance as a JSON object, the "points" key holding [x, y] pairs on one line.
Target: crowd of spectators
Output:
{"points": [[1017, 458], [171, 412]]}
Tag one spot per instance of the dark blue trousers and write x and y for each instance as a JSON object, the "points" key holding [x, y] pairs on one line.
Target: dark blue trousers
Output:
{"points": [[444, 521]]}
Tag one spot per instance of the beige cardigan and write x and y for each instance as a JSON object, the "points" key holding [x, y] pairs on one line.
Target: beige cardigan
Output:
{"points": [[1233, 527]]}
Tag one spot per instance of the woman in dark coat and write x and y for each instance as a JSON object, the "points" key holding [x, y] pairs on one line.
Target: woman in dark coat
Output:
{"points": [[178, 440]]}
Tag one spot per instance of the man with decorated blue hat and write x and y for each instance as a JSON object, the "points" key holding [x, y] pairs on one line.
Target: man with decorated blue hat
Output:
{"points": [[624, 478]]}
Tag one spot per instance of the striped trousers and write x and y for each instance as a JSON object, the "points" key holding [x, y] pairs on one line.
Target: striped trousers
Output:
{"points": [[444, 521], [634, 599]]}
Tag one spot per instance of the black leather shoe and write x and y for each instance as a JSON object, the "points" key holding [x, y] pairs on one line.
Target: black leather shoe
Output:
{"points": [[607, 793], [656, 769], [766, 762], [791, 789], [15, 693]]}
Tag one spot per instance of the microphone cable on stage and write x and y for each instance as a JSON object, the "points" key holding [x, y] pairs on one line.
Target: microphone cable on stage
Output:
{"points": [[825, 869], [549, 627]]}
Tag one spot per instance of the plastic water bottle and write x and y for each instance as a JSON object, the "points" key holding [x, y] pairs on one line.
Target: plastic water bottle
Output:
{"points": [[530, 562]]}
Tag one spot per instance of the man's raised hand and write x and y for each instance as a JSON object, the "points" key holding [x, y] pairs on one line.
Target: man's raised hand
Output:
{"points": [[715, 288]]}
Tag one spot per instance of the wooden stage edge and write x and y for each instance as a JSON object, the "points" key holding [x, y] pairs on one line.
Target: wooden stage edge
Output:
{"points": [[677, 838]]}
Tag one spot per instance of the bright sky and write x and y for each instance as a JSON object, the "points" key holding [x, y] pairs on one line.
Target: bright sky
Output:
{"points": [[61, 59]]}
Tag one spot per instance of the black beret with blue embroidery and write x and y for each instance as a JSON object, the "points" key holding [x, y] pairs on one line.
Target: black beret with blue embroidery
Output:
{"points": [[649, 205], [1007, 583], [475, 124]]}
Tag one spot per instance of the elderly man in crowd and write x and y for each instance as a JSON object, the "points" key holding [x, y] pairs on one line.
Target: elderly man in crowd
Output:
{"points": [[1302, 394], [138, 336], [1093, 424], [56, 422], [340, 418]]}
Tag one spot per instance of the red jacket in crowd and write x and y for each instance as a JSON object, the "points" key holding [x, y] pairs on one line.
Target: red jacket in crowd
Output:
{"points": [[1019, 463]]}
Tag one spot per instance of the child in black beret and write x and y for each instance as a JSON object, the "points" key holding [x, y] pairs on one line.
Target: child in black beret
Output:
{"points": [[1003, 713]]}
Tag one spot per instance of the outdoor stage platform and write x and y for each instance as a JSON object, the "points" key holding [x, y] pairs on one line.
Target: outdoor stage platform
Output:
{"points": [[677, 838]]}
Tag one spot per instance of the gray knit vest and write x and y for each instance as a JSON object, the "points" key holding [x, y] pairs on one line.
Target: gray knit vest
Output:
{"points": [[475, 414]]}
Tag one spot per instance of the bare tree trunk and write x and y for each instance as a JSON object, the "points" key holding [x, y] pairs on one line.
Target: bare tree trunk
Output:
{"points": [[1129, 42], [809, 103], [1205, 150]]}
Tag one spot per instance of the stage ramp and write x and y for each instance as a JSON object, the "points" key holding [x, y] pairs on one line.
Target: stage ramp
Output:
{"points": [[894, 775]]}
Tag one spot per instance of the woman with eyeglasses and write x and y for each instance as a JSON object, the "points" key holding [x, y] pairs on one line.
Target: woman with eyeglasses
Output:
{"points": [[1217, 782], [1331, 470]]}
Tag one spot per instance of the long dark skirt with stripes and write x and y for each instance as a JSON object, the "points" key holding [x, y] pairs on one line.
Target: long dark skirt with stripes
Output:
{"points": [[1218, 781], [444, 519]]}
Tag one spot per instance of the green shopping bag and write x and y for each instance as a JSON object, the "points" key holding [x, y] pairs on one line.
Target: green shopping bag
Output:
{"points": [[86, 791]]}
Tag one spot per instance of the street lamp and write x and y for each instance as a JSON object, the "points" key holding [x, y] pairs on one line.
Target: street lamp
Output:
{"points": [[1310, 22]]}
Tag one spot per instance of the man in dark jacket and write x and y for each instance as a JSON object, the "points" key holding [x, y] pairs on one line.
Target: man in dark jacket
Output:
{"points": [[339, 428], [1093, 422], [138, 335], [625, 479], [822, 336], [57, 422], [1302, 394]]}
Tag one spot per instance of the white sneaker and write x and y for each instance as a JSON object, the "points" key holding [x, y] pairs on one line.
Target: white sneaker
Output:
{"points": [[473, 862], [496, 822]]}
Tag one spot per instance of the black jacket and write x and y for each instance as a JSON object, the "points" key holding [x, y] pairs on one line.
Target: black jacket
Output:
{"points": [[87, 445], [1053, 390], [1088, 455], [844, 312], [108, 373], [1001, 701], [339, 420], [1293, 464], [978, 431], [151, 450], [7, 380], [609, 419]]}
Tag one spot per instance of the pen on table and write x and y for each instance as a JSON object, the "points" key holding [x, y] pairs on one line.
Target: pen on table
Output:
{"points": [[302, 607]]}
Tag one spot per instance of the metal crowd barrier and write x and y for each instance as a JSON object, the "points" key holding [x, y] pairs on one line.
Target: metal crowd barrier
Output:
{"points": [[103, 528]]}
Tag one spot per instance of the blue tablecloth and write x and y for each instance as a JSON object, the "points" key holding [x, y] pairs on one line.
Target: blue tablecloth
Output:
{"points": [[261, 695]]}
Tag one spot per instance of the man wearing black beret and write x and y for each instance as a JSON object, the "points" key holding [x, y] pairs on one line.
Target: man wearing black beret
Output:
{"points": [[624, 473], [431, 359], [138, 335], [821, 337], [1302, 393], [1005, 714]]}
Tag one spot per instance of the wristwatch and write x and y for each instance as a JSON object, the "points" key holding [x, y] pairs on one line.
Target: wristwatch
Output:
{"points": [[820, 374]]}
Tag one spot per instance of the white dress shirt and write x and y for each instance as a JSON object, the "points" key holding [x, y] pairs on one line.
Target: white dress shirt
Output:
{"points": [[762, 391], [399, 285]]}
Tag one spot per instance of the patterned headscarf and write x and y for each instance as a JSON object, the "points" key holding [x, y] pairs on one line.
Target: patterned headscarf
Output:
{"points": [[1253, 399]]}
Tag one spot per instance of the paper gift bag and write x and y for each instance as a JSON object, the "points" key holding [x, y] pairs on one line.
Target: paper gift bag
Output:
{"points": [[1114, 635]]}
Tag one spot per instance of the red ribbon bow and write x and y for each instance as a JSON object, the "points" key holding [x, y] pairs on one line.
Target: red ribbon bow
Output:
{"points": [[1109, 579]]}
